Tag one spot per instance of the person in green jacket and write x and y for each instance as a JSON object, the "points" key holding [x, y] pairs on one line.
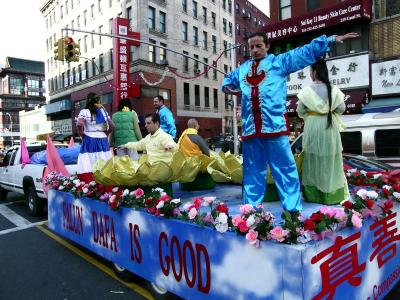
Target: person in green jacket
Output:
{"points": [[126, 129]]}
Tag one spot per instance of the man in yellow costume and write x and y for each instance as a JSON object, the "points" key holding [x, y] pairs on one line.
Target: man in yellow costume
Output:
{"points": [[190, 143], [158, 144]]}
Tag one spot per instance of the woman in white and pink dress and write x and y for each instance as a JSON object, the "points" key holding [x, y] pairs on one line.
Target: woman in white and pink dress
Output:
{"points": [[93, 123]]}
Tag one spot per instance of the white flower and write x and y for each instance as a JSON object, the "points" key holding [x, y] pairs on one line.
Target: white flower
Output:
{"points": [[362, 194], [132, 193], [187, 205], [396, 195], [61, 187], [192, 213], [222, 218], [250, 221], [85, 190], [363, 172], [92, 183], [115, 189], [376, 176], [352, 170], [76, 182], [387, 187], [125, 193], [160, 204], [221, 227], [372, 194], [163, 193], [176, 201], [160, 190]]}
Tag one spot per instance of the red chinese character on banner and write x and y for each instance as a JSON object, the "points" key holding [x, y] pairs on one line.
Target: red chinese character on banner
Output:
{"points": [[385, 242], [340, 267]]}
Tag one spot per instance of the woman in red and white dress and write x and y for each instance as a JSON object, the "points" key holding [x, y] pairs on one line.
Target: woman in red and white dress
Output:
{"points": [[93, 123]]}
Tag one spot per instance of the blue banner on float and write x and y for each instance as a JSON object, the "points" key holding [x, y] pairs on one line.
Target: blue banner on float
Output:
{"points": [[198, 262]]}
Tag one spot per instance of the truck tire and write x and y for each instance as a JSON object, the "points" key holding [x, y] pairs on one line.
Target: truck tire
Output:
{"points": [[122, 273], [35, 204], [3, 193], [158, 292]]}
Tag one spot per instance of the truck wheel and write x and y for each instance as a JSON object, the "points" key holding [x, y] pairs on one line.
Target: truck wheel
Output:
{"points": [[122, 273], [3, 193], [158, 292], [35, 204]]}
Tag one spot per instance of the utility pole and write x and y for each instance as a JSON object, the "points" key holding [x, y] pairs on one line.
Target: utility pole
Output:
{"points": [[234, 101]]}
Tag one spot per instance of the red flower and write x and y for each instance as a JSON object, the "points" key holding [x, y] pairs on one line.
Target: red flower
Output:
{"points": [[309, 225], [396, 186], [347, 204], [316, 217], [164, 198], [369, 203], [148, 200], [243, 226], [197, 202], [222, 208], [387, 206]]}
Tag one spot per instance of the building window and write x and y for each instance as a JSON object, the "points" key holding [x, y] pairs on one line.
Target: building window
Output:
{"points": [[206, 96], [230, 28], [196, 95], [205, 66], [195, 36], [17, 86], [285, 10], [162, 21], [204, 15], [129, 15], [101, 63], [224, 25], [99, 6], [205, 39], [163, 54], [225, 48], [184, 31], [237, 29], [92, 11], [214, 44], [152, 51], [215, 98], [33, 85], [230, 6], [186, 93], [196, 63], [213, 19], [100, 30], [215, 74], [92, 39], [151, 23], [313, 5], [194, 9], [224, 4], [237, 8], [184, 6], [85, 43], [185, 61]]}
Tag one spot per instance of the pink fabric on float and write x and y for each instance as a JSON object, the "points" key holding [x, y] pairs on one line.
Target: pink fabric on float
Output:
{"points": [[71, 142], [24, 153], [54, 161]]}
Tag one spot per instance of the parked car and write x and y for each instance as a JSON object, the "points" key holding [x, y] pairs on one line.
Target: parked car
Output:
{"points": [[354, 161], [25, 179], [222, 143], [375, 136]]}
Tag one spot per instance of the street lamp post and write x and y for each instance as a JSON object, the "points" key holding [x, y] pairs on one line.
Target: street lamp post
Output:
{"points": [[11, 129]]}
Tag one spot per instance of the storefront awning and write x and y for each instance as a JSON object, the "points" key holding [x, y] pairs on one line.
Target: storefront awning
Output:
{"points": [[382, 105]]}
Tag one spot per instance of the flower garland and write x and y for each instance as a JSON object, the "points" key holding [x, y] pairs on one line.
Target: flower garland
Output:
{"points": [[157, 82], [255, 224]]}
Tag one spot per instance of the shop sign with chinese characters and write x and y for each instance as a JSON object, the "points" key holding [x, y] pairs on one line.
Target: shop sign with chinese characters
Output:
{"points": [[386, 77], [349, 72]]}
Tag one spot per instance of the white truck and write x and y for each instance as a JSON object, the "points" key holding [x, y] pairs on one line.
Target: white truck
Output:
{"points": [[25, 179]]}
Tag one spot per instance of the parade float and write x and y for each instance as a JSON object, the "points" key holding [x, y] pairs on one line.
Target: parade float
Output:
{"points": [[205, 244]]}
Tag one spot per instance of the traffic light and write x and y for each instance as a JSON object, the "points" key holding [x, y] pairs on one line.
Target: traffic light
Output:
{"points": [[59, 49], [71, 50]]}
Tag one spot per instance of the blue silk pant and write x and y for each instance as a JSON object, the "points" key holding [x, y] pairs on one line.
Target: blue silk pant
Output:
{"points": [[275, 152]]}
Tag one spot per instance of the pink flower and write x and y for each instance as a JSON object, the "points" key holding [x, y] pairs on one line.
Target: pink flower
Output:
{"points": [[327, 211], [236, 220], [243, 226], [192, 213], [340, 215], [251, 236], [197, 202], [356, 219], [113, 202], [245, 209], [208, 200], [138, 193], [279, 234]]}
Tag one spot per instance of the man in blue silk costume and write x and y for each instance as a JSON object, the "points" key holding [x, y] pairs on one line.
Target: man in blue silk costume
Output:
{"points": [[262, 83]]}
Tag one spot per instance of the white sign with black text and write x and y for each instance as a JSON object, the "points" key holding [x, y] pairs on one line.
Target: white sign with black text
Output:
{"points": [[386, 77], [348, 72]]}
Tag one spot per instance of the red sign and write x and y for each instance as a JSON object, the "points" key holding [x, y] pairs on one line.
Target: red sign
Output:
{"points": [[121, 58], [341, 13]]}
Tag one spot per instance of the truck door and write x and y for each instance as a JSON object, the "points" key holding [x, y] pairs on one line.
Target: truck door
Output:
{"points": [[6, 173]]}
